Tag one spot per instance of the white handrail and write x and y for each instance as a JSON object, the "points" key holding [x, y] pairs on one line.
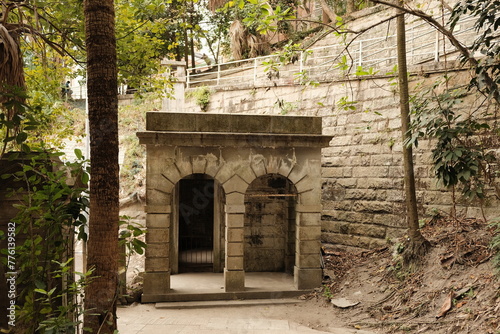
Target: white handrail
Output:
{"points": [[319, 64]]}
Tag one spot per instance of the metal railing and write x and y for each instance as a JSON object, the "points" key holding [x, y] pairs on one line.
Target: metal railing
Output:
{"points": [[424, 44]]}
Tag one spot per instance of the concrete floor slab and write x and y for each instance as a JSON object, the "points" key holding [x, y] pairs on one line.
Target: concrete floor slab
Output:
{"points": [[210, 286]]}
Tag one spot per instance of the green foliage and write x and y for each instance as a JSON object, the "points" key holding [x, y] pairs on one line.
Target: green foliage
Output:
{"points": [[461, 154], [487, 72], [130, 236], [345, 104], [50, 212], [285, 106], [260, 16], [13, 126], [340, 8], [141, 45], [201, 95], [65, 319], [327, 292]]}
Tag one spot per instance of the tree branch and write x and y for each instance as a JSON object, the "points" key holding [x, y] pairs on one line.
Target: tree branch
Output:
{"points": [[463, 50]]}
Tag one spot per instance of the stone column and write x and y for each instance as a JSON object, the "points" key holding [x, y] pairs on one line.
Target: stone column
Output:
{"points": [[158, 224], [307, 271], [234, 274], [177, 70], [157, 263]]}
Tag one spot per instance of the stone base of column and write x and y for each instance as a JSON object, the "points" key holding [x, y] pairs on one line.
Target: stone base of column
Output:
{"points": [[234, 280], [155, 284], [307, 278]]}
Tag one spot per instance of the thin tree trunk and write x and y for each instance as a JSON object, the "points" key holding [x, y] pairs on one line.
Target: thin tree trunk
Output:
{"points": [[415, 248], [350, 8], [327, 11], [101, 293]]}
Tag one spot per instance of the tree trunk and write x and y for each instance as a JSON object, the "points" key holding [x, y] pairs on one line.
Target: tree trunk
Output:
{"points": [[418, 244], [350, 8], [330, 14], [102, 84]]}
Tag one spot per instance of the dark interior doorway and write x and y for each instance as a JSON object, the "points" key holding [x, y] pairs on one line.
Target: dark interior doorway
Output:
{"points": [[196, 224]]}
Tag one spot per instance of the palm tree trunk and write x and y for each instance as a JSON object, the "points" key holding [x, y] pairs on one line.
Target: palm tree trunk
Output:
{"points": [[100, 294]]}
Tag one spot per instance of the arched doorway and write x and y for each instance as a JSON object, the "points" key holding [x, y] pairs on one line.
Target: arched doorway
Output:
{"points": [[198, 229], [270, 225]]}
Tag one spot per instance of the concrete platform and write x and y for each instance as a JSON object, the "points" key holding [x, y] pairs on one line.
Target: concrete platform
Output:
{"points": [[210, 287]]}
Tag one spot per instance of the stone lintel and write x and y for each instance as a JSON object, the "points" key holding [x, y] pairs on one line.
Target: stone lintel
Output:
{"points": [[234, 123], [240, 140]]}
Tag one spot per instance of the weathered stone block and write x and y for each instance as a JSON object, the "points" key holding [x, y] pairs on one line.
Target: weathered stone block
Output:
{"points": [[286, 165], [309, 219], [373, 206], [157, 264], [155, 284], [234, 280], [157, 198], [235, 234], [199, 164], [154, 220], [213, 165], [235, 220], [305, 278], [245, 172], [235, 184], [309, 232], [367, 230], [310, 197], [234, 263], [308, 260], [157, 250], [169, 172], [234, 249], [157, 235], [224, 173], [308, 247], [235, 198], [258, 164]]}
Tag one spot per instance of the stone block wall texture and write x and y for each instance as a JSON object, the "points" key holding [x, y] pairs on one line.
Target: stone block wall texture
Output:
{"points": [[269, 237], [362, 170]]}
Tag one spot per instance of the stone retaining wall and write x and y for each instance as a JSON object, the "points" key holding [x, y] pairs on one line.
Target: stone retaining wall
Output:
{"points": [[362, 173]]}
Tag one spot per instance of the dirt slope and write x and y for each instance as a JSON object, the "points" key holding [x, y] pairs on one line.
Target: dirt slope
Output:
{"points": [[454, 291]]}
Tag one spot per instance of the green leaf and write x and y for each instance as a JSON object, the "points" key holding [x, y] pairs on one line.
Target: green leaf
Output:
{"points": [[78, 154], [85, 178], [21, 137]]}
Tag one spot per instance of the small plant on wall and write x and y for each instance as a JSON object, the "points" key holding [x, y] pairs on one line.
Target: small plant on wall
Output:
{"points": [[201, 95]]}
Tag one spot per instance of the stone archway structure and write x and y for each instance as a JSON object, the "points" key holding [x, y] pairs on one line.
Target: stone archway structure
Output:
{"points": [[233, 150]]}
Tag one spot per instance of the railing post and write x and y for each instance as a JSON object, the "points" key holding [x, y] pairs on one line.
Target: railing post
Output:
{"points": [[436, 51], [218, 74], [360, 61], [301, 65], [188, 78], [254, 71], [301, 61]]}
